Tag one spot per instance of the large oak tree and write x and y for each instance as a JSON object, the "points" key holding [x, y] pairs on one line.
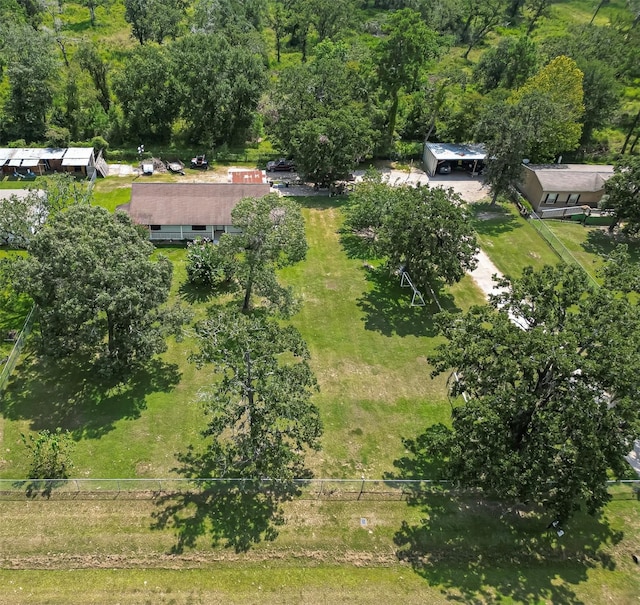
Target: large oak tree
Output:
{"points": [[551, 373], [98, 292]]}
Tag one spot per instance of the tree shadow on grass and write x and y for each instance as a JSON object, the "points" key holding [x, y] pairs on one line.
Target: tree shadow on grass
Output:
{"points": [[387, 307], [602, 243], [357, 246], [493, 220], [72, 396], [478, 550], [230, 513]]}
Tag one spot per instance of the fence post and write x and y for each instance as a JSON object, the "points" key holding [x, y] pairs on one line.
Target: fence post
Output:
{"points": [[361, 488]]}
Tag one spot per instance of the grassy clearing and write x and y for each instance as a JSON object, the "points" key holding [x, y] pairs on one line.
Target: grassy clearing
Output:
{"points": [[509, 240], [369, 350], [590, 245], [438, 550]]}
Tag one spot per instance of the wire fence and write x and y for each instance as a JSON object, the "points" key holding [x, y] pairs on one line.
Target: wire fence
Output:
{"points": [[305, 489], [558, 247], [144, 489], [11, 361]]}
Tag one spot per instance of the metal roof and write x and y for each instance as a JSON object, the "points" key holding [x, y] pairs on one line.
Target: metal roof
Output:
{"points": [[457, 151], [79, 153], [6, 153], [52, 153]]}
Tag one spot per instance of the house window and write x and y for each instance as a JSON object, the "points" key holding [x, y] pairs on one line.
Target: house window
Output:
{"points": [[198, 227], [573, 199], [155, 227], [551, 198]]}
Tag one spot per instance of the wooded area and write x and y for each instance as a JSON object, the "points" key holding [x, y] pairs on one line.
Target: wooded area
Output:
{"points": [[334, 81]]}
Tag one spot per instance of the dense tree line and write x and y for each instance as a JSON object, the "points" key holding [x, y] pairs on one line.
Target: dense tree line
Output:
{"points": [[355, 83]]}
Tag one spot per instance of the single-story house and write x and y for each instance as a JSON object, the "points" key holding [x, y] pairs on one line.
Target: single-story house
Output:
{"points": [[441, 157], [549, 186], [186, 211], [29, 161]]}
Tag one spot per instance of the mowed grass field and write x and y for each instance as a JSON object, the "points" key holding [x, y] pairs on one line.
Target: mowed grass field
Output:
{"points": [[509, 240], [369, 350]]}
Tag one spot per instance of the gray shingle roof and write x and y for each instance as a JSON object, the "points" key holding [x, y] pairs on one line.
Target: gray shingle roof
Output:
{"points": [[188, 203], [572, 178]]}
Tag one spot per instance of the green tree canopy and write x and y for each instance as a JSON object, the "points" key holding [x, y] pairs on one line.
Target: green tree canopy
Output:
{"points": [[406, 48], [219, 86], [147, 90], [623, 194], [272, 236], [551, 106], [428, 231], [552, 402], [262, 418], [31, 71], [100, 296]]}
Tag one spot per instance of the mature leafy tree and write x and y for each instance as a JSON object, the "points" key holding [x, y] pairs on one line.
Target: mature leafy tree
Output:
{"points": [[428, 231], [20, 218], [154, 19], [90, 60], [272, 236], [509, 64], [92, 5], [601, 95], [331, 17], [320, 113], [278, 21], [551, 106], [327, 149], [34, 11], [507, 144], [482, 18], [207, 265], [368, 206], [552, 407], [99, 295], [458, 119], [217, 103], [147, 90], [30, 72], [535, 10], [405, 50], [50, 454], [262, 417], [229, 17], [623, 194], [300, 25]]}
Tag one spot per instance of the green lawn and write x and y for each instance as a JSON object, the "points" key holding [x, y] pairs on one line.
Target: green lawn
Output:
{"points": [[368, 345], [440, 550], [509, 240], [590, 245], [369, 349]]}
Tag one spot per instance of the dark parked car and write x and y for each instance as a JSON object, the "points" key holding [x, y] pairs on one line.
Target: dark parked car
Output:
{"points": [[199, 162], [281, 165], [444, 168]]}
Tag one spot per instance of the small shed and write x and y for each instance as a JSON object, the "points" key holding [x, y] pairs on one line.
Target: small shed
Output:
{"points": [[186, 211], [79, 160], [468, 156]]}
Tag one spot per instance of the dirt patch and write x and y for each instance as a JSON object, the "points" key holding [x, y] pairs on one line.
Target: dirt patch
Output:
{"points": [[487, 216], [64, 561]]}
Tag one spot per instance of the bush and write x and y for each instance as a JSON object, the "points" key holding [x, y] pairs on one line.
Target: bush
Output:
{"points": [[207, 265], [57, 136], [100, 144]]}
